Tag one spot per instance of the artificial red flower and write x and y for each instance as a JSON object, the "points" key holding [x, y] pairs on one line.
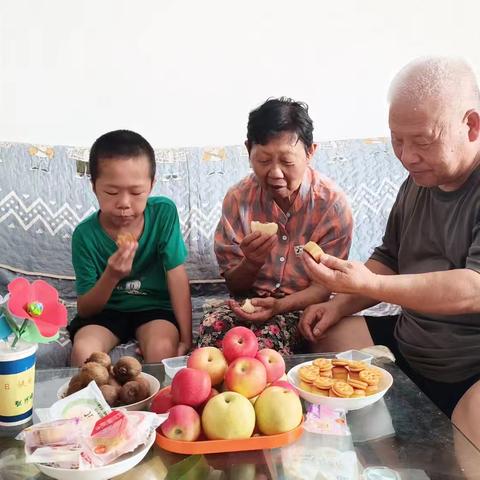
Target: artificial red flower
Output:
{"points": [[53, 314]]}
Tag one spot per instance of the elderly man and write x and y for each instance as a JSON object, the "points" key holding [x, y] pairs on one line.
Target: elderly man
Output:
{"points": [[429, 262]]}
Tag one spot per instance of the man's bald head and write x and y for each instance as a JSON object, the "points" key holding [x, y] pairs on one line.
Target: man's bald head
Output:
{"points": [[434, 121], [446, 80]]}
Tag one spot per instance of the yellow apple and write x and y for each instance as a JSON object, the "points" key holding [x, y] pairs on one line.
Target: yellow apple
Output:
{"points": [[247, 376], [211, 360], [278, 410], [227, 416]]}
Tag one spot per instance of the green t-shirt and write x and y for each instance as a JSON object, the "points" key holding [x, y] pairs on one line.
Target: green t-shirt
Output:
{"points": [[160, 248]]}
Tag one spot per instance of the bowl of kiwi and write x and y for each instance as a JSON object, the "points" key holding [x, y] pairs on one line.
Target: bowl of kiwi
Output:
{"points": [[123, 384]]}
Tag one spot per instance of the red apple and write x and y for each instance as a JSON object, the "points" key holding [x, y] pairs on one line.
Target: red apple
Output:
{"points": [[239, 342], [183, 423], [273, 362], [191, 387], [247, 376], [284, 384], [210, 360], [200, 408], [162, 401]]}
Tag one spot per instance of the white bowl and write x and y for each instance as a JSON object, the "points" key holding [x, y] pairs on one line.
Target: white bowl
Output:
{"points": [[174, 364], [386, 381], [142, 405], [119, 466]]}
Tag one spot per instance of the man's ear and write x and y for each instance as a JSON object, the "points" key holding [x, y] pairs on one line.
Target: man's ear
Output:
{"points": [[248, 146], [472, 118]]}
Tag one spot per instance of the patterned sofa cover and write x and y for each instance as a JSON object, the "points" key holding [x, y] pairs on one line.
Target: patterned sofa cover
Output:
{"points": [[45, 191]]}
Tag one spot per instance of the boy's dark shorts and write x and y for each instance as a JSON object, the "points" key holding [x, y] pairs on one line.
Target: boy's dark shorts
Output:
{"points": [[122, 324], [444, 395]]}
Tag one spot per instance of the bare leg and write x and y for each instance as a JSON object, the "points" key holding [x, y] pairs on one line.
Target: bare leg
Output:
{"points": [[349, 333], [89, 339], [158, 339], [466, 415]]}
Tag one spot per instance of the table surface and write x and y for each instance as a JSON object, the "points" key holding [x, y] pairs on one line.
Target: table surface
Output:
{"points": [[405, 432]]}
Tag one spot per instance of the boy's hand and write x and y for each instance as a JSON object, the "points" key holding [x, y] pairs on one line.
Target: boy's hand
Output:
{"points": [[182, 349], [257, 246], [119, 265]]}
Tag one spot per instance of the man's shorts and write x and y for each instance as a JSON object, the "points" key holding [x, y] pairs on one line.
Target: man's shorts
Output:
{"points": [[122, 324], [444, 395]]}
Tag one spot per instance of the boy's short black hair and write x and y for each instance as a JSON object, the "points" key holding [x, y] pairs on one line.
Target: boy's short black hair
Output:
{"points": [[276, 116], [120, 143]]}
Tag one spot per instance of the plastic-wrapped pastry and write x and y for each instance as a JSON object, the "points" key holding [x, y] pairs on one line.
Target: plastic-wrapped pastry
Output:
{"points": [[58, 432]]}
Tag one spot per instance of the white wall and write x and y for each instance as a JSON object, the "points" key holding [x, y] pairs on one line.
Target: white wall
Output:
{"points": [[186, 72]]}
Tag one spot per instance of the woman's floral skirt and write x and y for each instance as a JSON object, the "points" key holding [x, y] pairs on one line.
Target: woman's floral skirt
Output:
{"points": [[279, 333]]}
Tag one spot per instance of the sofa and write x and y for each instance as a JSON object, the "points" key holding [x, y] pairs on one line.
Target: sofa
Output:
{"points": [[45, 191]]}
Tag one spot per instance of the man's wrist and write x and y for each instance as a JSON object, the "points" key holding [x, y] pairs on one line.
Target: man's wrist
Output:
{"points": [[374, 287], [342, 304]]}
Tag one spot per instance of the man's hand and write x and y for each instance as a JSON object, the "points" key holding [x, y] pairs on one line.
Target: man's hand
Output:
{"points": [[265, 309], [119, 265], [256, 247], [317, 319], [340, 276]]}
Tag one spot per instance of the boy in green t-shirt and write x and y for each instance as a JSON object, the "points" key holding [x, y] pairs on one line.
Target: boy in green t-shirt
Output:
{"points": [[128, 258]]}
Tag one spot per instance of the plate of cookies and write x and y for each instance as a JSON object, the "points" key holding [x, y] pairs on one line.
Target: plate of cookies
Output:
{"points": [[340, 383]]}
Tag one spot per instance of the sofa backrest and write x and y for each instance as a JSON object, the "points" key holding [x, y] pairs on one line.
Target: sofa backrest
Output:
{"points": [[45, 191]]}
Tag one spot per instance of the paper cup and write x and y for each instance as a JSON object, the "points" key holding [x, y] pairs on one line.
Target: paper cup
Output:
{"points": [[17, 379]]}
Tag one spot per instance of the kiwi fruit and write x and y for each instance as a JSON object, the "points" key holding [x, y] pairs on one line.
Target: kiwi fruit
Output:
{"points": [[111, 394], [76, 383], [100, 357], [113, 381], [141, 379], [133, 391], [94, 371], [126, 369]]}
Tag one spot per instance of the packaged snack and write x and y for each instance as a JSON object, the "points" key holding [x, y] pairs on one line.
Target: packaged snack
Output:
{"points": [[87, 403], [59, 432], [65, 456], [118, 433], [325, 420]]}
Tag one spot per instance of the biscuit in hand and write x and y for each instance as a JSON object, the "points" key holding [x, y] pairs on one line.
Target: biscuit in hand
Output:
{"points": [[268, 228], [248, 307], [124, 238], [313, 250]]}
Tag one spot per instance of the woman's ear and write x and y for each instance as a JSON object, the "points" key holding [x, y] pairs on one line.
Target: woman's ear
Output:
{"points": [[311, 151]]}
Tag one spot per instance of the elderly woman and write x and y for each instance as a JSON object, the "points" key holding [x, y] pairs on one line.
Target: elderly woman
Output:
{"points": [[283, 189]]}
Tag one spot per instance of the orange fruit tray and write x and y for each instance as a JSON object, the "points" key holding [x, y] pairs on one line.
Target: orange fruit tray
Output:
{"points": [[260, 442]]}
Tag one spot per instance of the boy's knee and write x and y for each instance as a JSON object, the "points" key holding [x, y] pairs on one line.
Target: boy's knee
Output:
{"points": [[157, 350], [80, 352], [82, 349]]}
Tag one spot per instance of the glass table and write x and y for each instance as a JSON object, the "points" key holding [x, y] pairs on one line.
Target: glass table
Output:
{"points": [[404, 432]]}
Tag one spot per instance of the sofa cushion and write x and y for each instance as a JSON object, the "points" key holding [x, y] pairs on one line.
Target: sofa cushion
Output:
{"points": [[45, 191]]}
